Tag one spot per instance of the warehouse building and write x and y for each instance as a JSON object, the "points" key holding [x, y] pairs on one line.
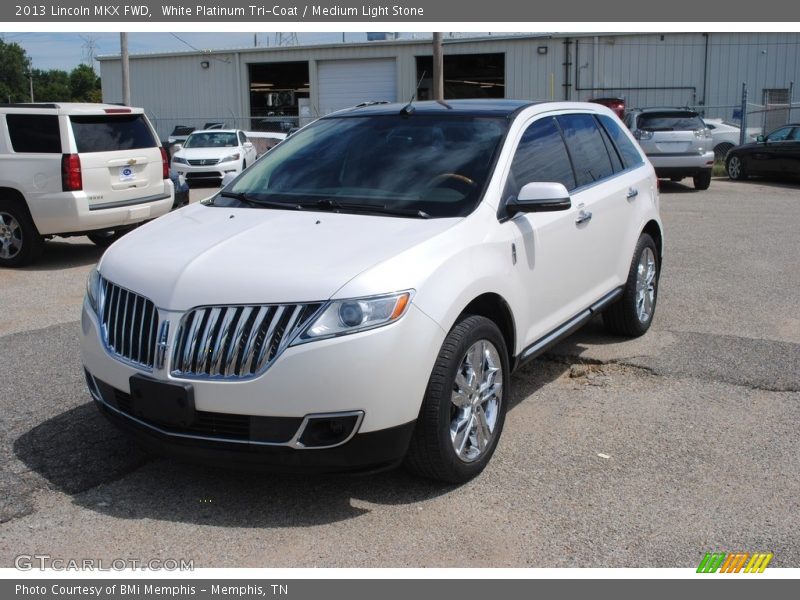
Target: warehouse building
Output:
{"points": [[276, 88]]}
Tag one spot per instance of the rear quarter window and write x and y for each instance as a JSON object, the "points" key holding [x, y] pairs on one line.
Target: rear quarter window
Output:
{"points": [[35, 134], [101, 133]]}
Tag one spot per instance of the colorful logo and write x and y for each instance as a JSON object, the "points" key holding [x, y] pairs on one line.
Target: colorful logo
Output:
{"points": [[736, 562]]}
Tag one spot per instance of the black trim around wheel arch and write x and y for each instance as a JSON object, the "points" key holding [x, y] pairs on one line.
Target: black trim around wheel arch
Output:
{"points": [[569, 327], [121, 203]]}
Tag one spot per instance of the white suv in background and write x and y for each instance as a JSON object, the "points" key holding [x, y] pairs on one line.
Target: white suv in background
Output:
{"points": [[76, 169], [360, 296]]}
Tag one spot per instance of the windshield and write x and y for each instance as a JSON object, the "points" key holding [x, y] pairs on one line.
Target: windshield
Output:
{"points": [[433, 165], [211, 140], [671, 121]]}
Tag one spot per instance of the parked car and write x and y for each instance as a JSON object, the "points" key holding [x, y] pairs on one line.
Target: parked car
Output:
{"points": [[676, 141], [360, 296], [179, 134], [181, 189], [775, 154], [208, 155], [725, 136], [76, 169], [615, 104]]}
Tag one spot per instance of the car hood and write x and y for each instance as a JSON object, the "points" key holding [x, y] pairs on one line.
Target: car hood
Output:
{"points": [[203, 255], [198, 153]]}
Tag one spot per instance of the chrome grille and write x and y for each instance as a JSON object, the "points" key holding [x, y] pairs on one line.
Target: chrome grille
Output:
{"points": [[202, 162], [130, 323], [236, 341]]}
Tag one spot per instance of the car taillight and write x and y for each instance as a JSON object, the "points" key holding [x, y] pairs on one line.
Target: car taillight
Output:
{"points": [[71, 178], [164, 164], [641, 134]]}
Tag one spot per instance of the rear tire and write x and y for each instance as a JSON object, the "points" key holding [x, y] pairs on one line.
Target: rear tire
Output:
{"points": [[106, 238], [632, 314], [702, 181], [464, 407], [735, 168], [20, 241]]}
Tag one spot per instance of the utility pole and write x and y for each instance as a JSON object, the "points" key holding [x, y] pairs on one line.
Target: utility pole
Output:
{"points": [[438, 68], [30, 75], [126, 78]]}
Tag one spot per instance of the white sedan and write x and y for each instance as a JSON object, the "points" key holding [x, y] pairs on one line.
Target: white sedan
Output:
{"points": [[726, 136], [208, 155]]}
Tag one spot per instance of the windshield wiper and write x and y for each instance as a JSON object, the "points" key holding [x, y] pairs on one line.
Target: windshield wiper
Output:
{"points": [[259, 203], [330, 203]]}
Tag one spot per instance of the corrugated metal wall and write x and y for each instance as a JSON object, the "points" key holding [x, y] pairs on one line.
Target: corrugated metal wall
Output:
{"points": [[646, 69]]}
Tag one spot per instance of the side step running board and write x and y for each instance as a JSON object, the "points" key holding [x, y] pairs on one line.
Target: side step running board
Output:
{"points": [[544, 343]]}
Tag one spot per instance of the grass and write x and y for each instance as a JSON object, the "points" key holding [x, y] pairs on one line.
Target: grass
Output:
{"points": [[719, 169]]}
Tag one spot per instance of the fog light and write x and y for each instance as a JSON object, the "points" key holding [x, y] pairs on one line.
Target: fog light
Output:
{"points": [[325, 431]]}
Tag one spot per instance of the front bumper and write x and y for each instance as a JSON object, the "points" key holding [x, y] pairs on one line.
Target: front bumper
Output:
{"points": [[207, 172], [381, 373], [370, 451]]}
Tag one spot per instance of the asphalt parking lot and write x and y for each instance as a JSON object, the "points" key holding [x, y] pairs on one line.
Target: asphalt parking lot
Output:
{"points": [[644, 453]]}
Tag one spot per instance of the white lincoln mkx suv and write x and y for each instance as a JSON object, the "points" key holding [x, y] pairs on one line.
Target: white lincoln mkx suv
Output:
{"points": [[360, 296]]}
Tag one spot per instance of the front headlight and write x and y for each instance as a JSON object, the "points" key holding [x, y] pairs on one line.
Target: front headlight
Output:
{"points": [[342, 317], [93, 288], [179, 160], [230, 157]]}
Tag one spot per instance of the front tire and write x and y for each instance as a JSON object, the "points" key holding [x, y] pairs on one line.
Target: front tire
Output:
{"points": [[632, 314], [735, 168], [20, 241], [464, 407], [702, 181]]}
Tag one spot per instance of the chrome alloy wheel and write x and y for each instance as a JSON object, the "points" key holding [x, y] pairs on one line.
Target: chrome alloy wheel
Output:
{"points": [[10, 236], [734, 167], [646, 285], [475, 401]]}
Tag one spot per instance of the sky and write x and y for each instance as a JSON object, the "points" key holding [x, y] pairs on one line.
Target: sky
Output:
{"points": [[67, 50]]}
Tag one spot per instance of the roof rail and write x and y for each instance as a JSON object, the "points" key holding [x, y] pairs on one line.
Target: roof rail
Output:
{"points": [[29, 105]]}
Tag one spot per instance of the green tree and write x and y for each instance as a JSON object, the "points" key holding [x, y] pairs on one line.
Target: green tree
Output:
{"points": [[14, 68], [51, 86], [84, 84]]}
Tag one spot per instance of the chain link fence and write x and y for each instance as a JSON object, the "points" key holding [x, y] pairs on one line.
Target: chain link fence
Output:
{"points": [[167, 127]]}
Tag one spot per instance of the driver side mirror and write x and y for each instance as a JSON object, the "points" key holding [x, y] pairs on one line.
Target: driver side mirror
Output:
{"points": [[177, 148], [540, 196], [761, 139]]}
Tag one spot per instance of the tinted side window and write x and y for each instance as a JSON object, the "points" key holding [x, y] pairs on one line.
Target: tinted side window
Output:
{"points": [[34, 133], [630, 155], [541, 156], [242, 138], [106, 133], [586, 147]]}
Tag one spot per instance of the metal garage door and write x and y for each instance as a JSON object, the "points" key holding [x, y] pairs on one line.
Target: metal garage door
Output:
{"points": [[344, 83]]}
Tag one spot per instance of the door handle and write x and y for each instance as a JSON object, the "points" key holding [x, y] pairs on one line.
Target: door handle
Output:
{"points": [[583, 217], [632, 193]]}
